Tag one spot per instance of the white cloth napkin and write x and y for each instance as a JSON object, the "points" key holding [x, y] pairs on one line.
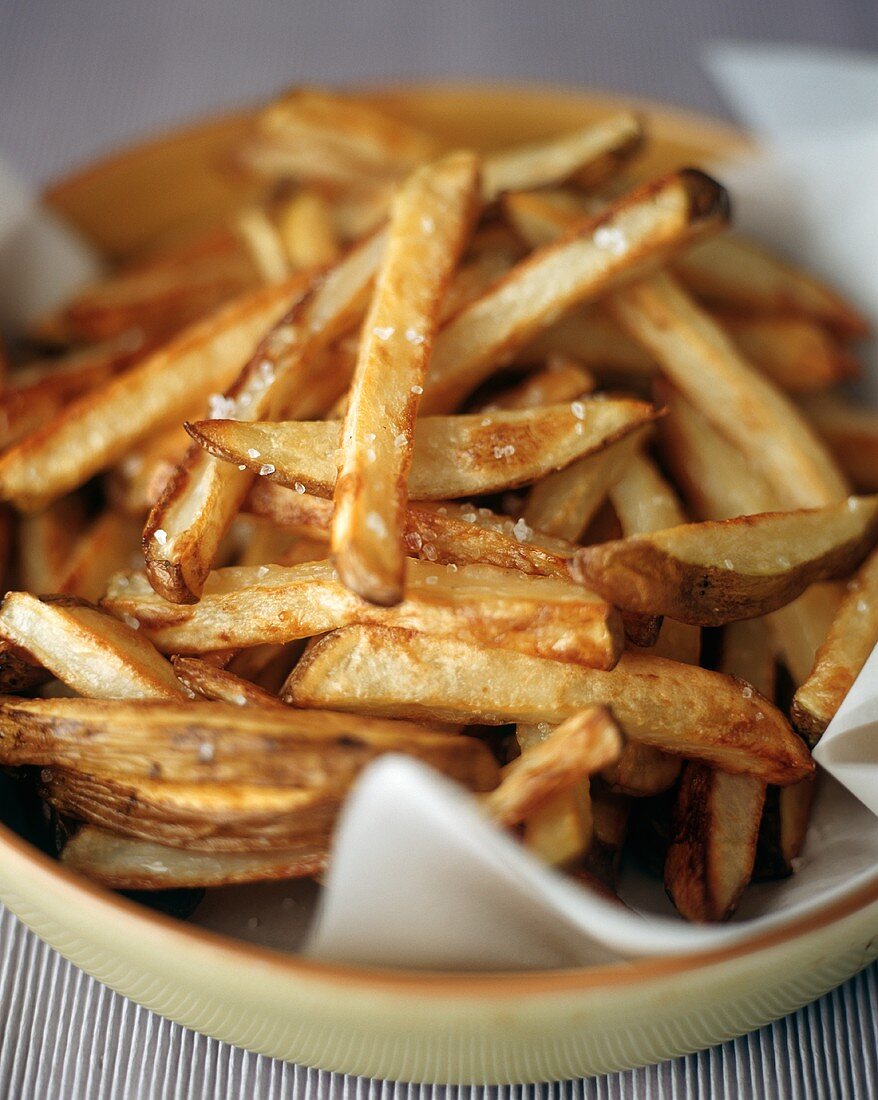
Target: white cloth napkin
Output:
{"points": [[419, 878]]}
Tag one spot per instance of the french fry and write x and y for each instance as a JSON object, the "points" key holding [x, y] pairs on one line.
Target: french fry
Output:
{"points": [[609, 826], [701, 361], [110, 543], [851, 433], [453, 456], [581, 745], [217, 743], [677, 708], [219, 685], [717, 572], [304, 224], [852, 636], [593, 339], [713, 849], [97, 430], [563, 379], [271, 603], [18, 673], [87, 649], [480, 269], [564, 503], [430, 219], [140, 478], [186, 525], [45, 544], [741, 276], [592, 259], [783, 829], [592, 154], [267, 666], [263, 244], [129, 863], [448, 534]]}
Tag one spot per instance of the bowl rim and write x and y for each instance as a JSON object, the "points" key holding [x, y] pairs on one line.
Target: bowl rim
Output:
{"points": [[683, 125]]}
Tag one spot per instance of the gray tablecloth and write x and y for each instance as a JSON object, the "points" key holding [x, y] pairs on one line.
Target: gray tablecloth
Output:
{"points": [[75, 78]]}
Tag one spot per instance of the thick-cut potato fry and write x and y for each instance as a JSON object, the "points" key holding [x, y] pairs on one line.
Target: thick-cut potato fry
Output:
{"points": [[581, 745], [564, 503], [430, 220], [262, 243], [592, 259], [563, 379], [186, 526], [304, 224], [312, 135], [219, 685], [851, 432], [701, 361], [98, 429], [129, 863], [110, 543], [720, 483], [610, 813], [593, 339], [449, 534], [783, 829], [37, 393], [140, 478], [798, 355], [18, 674], [454, 456], [478, 271], [217, 743], [592, 154], [480, 603], [717, 572], [45, 544], [713, 848], [852, 636], [741, 276], [677, 708], [716, 825], [87, 649]]}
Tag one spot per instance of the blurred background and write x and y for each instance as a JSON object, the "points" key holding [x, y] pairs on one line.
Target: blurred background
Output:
{"points": [[77, 78]]}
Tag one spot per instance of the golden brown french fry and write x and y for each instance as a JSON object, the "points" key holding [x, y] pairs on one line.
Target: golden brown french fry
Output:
{"points": [[701, 361], [851, 432], [98, 429], [194, 742], [129, 863], [564, 503], [449, 534], [720, 483], [562, 379], [262, 242], [716, 572], [783, 829], [713, 848], [87, 649], [479, 270], [109, 543], [592, 154], [316, 136], [430, 220], [678, 708], [45, 544], [454, 456], [593, 339], [304, 224], [18, 674], [592, 259], [736, 274], [271, 603], [797, 354], [140, 478], [584, 743], [852, 636], [219, 685], [186, 526]]}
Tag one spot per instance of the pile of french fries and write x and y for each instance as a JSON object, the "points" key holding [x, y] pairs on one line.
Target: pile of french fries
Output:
{"points": [[499, 462]]}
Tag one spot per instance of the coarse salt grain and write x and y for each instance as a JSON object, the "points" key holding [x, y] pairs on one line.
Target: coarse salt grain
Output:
{"points": [[504, 452], [415, 337], [384, 332], [206, 752], [432, 580], [610, 239], [299, 487], [160, 536], [129, 620], [253, 453], [417, 389], [401, 440], [266, 468], [521, 531], [578, 409]]}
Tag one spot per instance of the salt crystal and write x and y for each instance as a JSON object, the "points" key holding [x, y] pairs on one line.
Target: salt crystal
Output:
{"points": [[266, 468], [487, 422], [129, 620], [221, 407], [504, 452], [253, 453], [521, 531], [452, 567], [417, 389], [432, 580], [370, 438], [430, 552], [262, 571], [862, 606], [783, 562], [578, 409], [728, 563], [610, 239], [376, 524], [415, 337], [299, 487], [370, 455], [747, 691], [243, 466], [206, 752], [160, 536], [579, 428], [384, 332], [401, 440]]}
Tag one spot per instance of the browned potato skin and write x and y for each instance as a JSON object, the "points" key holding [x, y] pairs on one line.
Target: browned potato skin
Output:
{"points": [[638, 576]]}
